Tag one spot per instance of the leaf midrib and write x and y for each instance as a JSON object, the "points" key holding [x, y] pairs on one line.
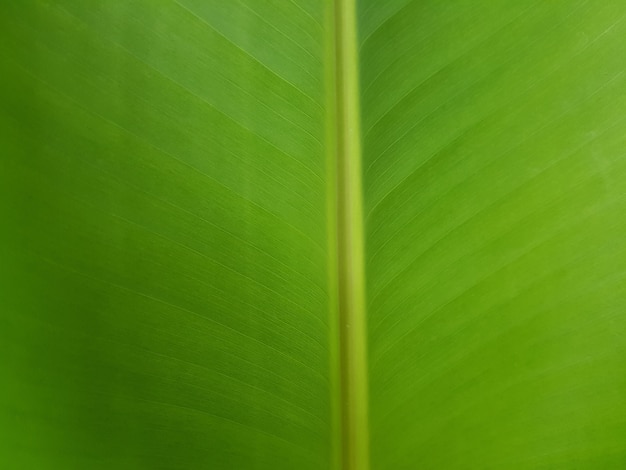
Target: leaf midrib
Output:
{"points": [[350, 243]]}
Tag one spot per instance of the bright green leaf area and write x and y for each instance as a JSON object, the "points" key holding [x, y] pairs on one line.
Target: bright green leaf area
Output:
{"points": [[168, 234], [166, 302], [494, 144]]}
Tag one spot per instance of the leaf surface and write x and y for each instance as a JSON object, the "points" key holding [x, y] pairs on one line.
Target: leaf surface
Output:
{"points": [[193, 192], [494, 171], [166, 303]]}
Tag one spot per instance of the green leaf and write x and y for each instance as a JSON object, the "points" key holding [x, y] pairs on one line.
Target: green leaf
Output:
{"points": [[212, 209], [494, 173], [165, 171]]}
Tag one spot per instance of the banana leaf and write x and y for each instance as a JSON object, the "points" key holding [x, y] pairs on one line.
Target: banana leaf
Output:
{"points": [[312, 234]]}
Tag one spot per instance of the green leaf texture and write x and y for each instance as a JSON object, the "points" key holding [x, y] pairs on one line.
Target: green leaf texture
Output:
{"points": [[166, 302], [181, 233], [494, 185]]}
